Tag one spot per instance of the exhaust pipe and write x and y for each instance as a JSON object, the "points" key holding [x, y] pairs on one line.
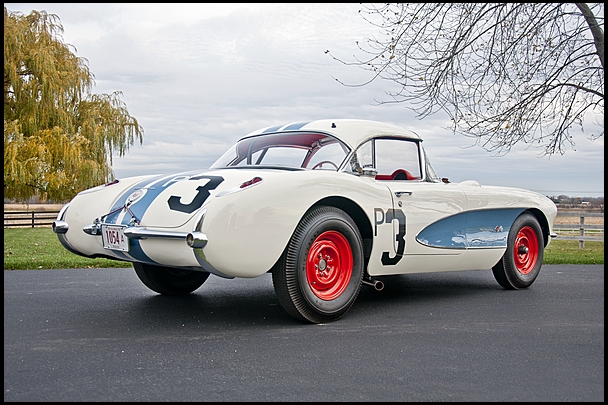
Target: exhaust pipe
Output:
{"points": [[377, 284]]}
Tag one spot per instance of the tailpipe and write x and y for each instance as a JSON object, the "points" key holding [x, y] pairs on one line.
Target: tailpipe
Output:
{"points": [[377, 284]]}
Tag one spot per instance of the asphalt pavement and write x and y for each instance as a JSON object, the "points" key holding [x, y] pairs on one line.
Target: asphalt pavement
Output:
{"points": [[101, 335]]}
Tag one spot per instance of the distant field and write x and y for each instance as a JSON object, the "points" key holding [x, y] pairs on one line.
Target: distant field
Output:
{"points": [[575, 220], [33, 207]]}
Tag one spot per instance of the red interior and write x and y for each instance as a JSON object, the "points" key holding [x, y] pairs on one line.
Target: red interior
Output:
{"points": [[399, 174]]}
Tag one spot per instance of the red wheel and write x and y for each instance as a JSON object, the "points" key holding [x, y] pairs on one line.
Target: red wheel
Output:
{"points": [[520, 265], [318, 277], [329, 266], [526, 250]]}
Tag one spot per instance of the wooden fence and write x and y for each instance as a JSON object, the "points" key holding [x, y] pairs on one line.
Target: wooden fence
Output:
{"points": [[585, 231], [29, 219]]}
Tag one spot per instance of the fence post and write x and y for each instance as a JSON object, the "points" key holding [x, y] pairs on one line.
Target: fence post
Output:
{"points": [[32, 219], [581, 243]]}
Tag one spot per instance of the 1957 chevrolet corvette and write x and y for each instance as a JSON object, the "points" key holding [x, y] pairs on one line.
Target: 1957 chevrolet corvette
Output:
{"points": [[325, 206]]}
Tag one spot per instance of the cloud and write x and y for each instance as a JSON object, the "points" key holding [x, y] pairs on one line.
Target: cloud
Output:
{"points": [[199, 76]]}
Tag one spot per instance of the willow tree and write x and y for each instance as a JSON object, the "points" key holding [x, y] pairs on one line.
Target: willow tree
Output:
{"points": [[59, 138], [503, 72]]}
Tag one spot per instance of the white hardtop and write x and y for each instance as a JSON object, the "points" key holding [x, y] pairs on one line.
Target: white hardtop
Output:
{"points": [[350, 131]]}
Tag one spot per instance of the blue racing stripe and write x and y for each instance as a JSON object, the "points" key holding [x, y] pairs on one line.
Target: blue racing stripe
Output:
{"points": [[295, 126], [271, 129], [120, 201], [135, 253], [138, 208]]}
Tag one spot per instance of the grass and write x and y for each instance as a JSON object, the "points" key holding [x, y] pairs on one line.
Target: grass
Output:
{"points": [[568, 252], [39, 248]]}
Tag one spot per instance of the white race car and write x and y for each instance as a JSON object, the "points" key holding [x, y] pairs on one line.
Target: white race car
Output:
{"points": [[325, 206]]}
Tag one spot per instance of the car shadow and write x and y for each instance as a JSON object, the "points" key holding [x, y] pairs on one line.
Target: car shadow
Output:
{"points": [[222, 305]]}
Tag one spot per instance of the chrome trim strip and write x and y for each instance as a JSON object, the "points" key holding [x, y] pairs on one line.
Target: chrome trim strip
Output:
{"points": [[199, 220], [197, 240], [61, 214], [135, 232], [202, 260], [143, 233]]}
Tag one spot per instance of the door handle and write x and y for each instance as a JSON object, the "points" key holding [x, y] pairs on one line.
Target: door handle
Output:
{"points": [[400, 193]]}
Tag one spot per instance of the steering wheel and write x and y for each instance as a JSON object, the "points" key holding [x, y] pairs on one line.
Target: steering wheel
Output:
{"points": [[324, 161]]}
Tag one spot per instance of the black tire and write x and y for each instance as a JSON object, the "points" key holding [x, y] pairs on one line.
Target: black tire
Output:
{"points": [[319, 276], [169, 280], [521, 263]]}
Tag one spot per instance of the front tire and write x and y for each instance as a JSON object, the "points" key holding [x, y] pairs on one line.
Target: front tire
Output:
{"points": [[521, 263], [169, 280], [319, 276]]}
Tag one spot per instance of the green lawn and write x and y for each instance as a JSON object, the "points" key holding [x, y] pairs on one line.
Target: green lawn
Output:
{"points": [[39, 248], [568, 252]]}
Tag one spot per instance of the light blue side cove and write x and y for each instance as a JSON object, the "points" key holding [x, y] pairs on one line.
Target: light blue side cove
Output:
{"points": [[471, 229]]}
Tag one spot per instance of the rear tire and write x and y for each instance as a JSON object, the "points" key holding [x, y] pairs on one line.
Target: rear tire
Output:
{"points": [[521, 263], [319, 276], [169, 280]]}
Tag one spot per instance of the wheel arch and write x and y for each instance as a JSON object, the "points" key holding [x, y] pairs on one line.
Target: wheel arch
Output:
{"points": [[544, 223], [357, 214]]}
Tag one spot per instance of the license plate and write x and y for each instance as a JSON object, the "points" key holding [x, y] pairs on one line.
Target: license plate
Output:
{"points": [[114, 238]]}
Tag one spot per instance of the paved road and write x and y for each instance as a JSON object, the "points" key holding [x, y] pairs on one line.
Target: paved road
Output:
{"points": [[100, 335]]}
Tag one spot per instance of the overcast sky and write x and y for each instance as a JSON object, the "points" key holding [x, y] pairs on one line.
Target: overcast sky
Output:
{"points": [[199, 76]]}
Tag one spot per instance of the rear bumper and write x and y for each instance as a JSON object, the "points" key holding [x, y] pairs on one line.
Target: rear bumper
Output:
{"points": [[195, 239]]}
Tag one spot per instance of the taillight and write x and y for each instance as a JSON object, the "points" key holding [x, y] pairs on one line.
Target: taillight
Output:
{"points": [[251, 182]]}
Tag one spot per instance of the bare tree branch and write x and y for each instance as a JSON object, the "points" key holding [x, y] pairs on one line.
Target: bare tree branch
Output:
{"points": [[503, 72]]}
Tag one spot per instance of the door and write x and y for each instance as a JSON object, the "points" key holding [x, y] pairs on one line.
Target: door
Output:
{"points": [[418, 201]]}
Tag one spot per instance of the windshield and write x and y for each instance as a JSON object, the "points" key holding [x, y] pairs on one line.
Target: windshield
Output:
{"points": [[307, 150]]}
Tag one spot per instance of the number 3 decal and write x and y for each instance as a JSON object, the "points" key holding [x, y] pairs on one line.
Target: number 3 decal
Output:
{"points": [[203, 193], [400, 237]]}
